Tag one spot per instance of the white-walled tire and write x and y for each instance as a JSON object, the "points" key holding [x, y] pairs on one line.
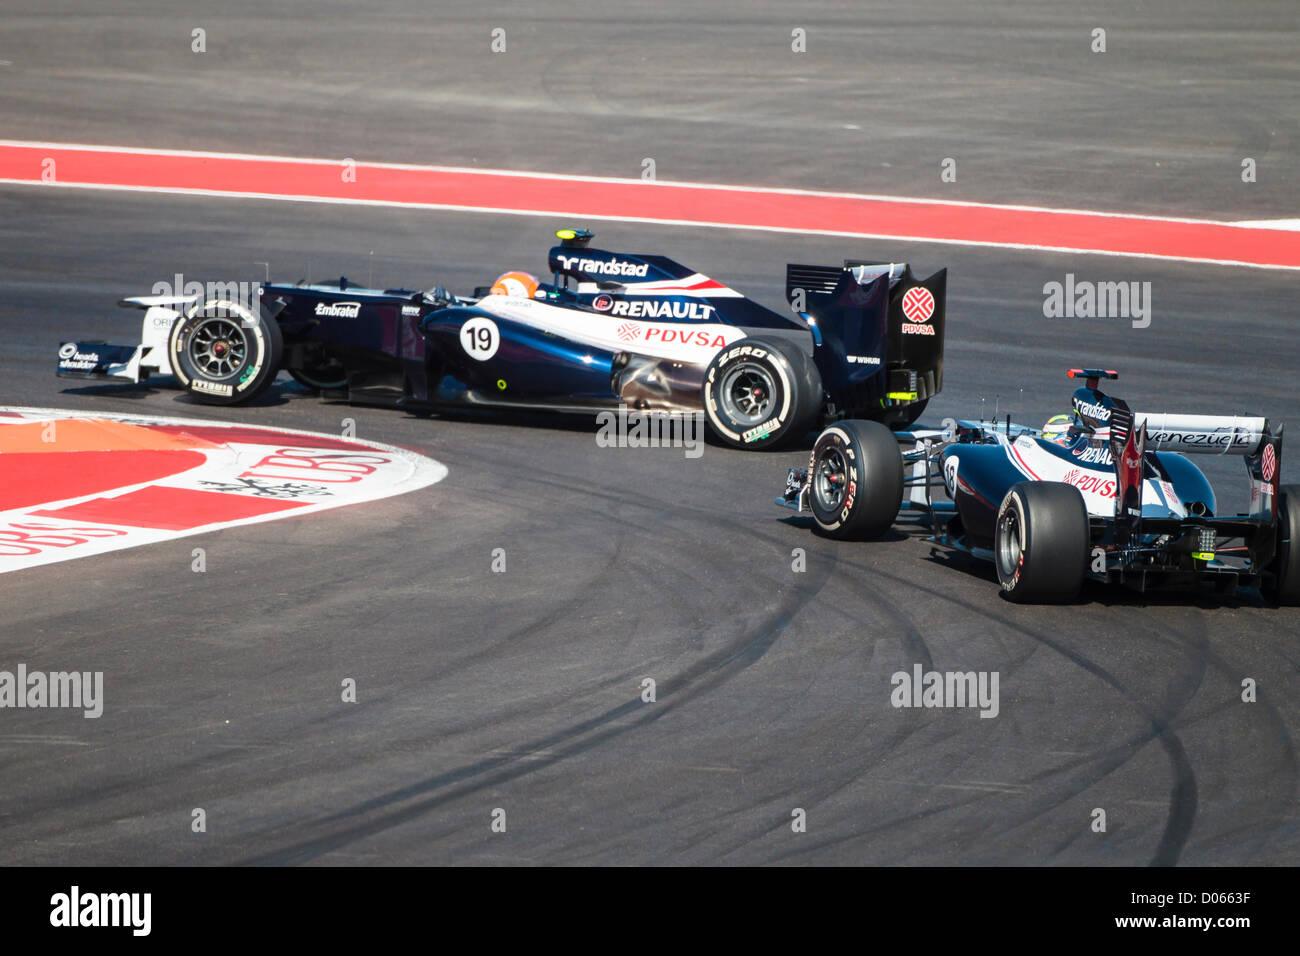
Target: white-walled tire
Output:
{"points": [[760, 393], [224, 353], [855, 480], [1040, 544]]}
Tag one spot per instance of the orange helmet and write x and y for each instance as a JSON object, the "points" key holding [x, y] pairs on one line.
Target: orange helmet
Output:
{"points": [[518, 284]]}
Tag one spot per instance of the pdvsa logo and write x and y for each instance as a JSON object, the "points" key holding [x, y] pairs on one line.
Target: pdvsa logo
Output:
{"points": [[918, 307], [1091, 484], [1268, 463]]}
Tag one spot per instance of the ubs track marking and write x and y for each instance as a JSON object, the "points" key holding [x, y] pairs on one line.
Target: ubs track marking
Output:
{"points": [[79, 484]]}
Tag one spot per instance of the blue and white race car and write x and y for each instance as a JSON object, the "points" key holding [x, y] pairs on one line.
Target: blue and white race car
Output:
{"points": [[611, 330], [1104, 493]]}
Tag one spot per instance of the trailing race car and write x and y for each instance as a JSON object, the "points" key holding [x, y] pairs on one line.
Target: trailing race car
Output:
{"points": [[1105, 493], [610, 330]]}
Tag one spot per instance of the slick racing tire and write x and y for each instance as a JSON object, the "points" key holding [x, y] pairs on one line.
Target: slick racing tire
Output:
{"points": [[1040, 544], [224, 353], [855, 480], [761, 393], [1284, 588]]}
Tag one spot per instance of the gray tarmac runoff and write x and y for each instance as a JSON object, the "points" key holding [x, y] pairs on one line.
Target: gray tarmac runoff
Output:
{"points": [[522, 691]]}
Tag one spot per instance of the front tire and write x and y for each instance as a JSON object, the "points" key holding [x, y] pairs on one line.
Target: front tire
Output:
{"points": [[855, 480], [761, 393], [224, 353], [1040, 543], [1285, 587]]}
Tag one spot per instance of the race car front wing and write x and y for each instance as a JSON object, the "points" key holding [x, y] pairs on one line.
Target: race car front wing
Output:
{"points": [[132, 363]]}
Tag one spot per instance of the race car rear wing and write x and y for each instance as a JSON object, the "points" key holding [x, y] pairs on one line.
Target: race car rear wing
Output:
{"points": [[1204, 434], [1252, 438], [878, 331]]}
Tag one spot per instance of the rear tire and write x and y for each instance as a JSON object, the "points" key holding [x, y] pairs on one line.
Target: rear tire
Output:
{"points": [[761, 393], [855, 480], [224, 353], [1285, 587], [1040, 543]]}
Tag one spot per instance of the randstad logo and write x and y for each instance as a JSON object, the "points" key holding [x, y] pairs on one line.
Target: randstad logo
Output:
{"points": [[605, 267]]}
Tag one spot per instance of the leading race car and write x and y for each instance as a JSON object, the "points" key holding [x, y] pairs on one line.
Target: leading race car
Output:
{"points": [[1104, 493], [611, 330]]}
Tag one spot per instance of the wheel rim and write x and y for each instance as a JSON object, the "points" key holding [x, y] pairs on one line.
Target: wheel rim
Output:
{"points": [[1009, 555], [748, 393], [830, 481], [218, 348]]}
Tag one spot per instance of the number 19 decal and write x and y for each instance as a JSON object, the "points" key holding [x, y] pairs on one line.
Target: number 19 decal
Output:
{"points": [[480, 338]]}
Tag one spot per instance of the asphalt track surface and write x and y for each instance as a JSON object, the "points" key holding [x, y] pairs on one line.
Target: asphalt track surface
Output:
{"points": [[521, 690]]}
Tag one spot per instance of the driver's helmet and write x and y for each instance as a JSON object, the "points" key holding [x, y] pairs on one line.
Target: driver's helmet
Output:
{"points": [[1057, 428], [520, 285]]}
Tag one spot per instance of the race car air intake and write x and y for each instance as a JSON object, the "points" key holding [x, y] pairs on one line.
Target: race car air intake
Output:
{"points": [[1204, 434]]}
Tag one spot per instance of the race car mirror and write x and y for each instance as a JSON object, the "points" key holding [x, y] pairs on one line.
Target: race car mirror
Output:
{"points": [[574, 238]]}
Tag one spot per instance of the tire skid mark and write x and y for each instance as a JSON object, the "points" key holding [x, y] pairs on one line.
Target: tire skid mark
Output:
{"points": [[705, 675], [914, 645], [1180, 638], [1183, 793], [911, 646]]}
